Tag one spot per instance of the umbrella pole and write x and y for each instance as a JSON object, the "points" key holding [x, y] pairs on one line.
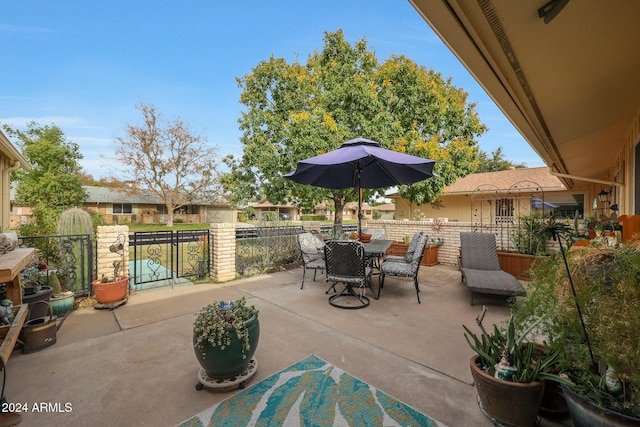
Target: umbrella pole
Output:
{"points": [[359, 212], [359, 202]]}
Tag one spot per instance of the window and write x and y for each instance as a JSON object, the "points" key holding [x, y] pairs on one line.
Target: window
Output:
{"points": [[504, 211], [122, 208], [564, 205], [188, 209]]}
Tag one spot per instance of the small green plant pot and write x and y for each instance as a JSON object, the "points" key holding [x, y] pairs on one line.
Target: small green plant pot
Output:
{"points": [[62, 305]]}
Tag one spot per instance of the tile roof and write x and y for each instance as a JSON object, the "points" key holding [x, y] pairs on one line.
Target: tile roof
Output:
{"points": [[114, 195], [264, 203], [388, 207], [502, 181]]}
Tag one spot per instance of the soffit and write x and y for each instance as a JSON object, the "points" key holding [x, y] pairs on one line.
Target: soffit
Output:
{"points": [[570, 87]]}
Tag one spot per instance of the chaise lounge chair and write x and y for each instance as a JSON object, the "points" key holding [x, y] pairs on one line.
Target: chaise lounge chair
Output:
{"points": [[481, 268]]}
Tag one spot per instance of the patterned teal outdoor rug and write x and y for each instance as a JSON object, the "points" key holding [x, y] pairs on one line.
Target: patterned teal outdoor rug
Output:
{"points": [[311, 392]]}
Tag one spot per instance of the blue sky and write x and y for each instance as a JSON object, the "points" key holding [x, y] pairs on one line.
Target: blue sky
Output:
{"points": [[85, 65]]}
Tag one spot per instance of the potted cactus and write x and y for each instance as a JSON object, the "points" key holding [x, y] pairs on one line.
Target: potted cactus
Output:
{"points": [[61, 301]]}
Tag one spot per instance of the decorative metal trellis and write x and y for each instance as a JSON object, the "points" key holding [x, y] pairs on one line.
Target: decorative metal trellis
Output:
{"points": [[70, 256], [508, 214]]}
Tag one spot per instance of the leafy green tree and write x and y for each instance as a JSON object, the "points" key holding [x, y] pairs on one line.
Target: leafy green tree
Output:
{"points": [[54, 178], [294, 111], [496, 162], [167, 159]]}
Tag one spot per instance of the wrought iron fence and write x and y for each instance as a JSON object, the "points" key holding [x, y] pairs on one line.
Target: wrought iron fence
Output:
{"points": [[338, 231], [70, 256], [193, 254], [267, 248], [263, 249], [160, 257]]}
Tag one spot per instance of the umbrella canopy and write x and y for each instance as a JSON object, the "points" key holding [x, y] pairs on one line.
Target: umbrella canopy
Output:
{"points": [[361, 163]]}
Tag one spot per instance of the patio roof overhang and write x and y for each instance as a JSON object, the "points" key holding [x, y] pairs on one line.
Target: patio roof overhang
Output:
{"points": [[570, 86], [8, 150]]}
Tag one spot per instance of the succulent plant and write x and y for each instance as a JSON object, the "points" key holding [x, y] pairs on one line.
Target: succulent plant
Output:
{"points": [[54, 282]]}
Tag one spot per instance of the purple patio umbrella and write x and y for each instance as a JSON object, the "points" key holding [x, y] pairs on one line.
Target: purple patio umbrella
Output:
{"points": [[361, 163]]}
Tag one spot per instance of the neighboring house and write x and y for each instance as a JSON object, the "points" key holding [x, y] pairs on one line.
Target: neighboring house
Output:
{"points": [[499, 197], [118, 207], [349, 212], [284, 212], [290, 212], [323, 209], [10, 160], [568, 83], [387, 211]]}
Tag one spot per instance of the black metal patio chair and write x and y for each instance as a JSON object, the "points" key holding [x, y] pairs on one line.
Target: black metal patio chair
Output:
{"points": [[312, 251], [346, 263]]}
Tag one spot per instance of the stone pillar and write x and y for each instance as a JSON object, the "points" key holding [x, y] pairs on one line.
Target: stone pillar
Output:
{"points": [[106, 236], [223, 261]]}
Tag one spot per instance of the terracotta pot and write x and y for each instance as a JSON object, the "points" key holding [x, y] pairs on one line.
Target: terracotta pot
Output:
{"points": [[110, 292], [513, 404], [398, 249], [229, 362], [430, 255]]}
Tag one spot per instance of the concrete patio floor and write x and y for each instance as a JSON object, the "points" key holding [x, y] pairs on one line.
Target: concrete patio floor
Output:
{"points": [[135, 365]]}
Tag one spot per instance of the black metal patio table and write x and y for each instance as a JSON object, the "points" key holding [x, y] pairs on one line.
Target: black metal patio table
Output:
{"points": [[374, 251], [376, 247]]}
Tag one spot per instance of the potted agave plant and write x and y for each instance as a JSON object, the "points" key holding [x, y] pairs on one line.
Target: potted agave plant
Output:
{"points": [[509, 372], [225, 337], [588, 299]]}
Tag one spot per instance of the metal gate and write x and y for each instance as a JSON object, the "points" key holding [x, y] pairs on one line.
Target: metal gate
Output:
{"points": [[70, 256], [165, 258]]}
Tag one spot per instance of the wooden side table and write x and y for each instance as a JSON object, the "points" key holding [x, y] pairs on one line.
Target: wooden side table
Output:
{"points": [[11, 264]]}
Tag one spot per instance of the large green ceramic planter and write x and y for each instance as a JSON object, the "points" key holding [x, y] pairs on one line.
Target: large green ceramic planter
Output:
{"points": [[229, 363], [62, 305]]}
